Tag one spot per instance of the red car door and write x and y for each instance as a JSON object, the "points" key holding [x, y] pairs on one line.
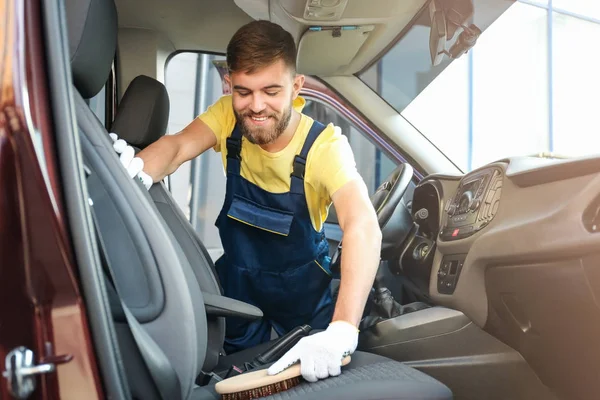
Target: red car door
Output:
{"points": [[45, 346]]}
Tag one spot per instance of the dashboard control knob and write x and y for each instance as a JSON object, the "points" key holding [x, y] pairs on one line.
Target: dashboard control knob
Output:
{"points": [[474, 206], [452, 209], [465, 201]]}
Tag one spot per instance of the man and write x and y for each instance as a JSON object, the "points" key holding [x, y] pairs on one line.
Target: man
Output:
{"points": [[284, 170]]}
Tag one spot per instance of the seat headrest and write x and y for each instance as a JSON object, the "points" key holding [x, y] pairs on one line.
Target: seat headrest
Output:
{"points": [[143, 112], [92, 28]]}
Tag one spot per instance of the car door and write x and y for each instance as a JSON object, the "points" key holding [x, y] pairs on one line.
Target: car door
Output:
{"points": [[45, 347]]}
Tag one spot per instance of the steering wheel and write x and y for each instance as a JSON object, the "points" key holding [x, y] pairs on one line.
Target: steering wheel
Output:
{"points": [[385, 200]]}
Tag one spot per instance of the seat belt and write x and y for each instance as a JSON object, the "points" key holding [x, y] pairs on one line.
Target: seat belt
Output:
{"points": [[164, 376]]}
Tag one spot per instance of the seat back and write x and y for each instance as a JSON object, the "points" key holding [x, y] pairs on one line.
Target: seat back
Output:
{"points": [[141, 119], [150, 270]]}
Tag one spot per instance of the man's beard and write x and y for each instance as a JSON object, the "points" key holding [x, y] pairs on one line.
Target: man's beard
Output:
{"points": [[263, 135]]}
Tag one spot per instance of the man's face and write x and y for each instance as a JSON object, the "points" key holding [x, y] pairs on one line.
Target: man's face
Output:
{"points": [[262, 101]]}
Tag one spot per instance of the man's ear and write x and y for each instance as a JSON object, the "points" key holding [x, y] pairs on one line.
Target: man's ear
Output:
{"points": [[227, 86], [298, 83]]}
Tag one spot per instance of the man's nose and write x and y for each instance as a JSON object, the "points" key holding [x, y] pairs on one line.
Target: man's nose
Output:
{"points": [[258, 104]]}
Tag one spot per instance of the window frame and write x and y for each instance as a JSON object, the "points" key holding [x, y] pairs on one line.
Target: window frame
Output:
{"points": [[315, 89]]}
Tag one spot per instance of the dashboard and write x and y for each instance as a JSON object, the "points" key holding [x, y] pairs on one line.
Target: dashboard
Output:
{"points": [[504, 213], [515, 246]]}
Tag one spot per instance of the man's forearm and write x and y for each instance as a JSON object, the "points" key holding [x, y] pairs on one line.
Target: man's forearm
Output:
{"points": [[160, 158], [360, 260]]}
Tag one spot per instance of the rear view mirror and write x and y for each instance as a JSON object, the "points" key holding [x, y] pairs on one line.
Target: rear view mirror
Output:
{"points": [[445, 19]]}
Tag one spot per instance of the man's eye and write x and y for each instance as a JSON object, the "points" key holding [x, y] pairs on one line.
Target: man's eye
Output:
{"points": [[272, 93], [243, 94]]}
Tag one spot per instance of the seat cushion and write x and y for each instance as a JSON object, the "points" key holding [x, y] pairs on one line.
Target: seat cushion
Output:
{"points": [[367, 377]]}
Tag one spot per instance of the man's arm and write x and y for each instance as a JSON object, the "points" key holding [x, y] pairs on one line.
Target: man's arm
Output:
{"points": [[321, 354], [361, 249], [164, 156]]}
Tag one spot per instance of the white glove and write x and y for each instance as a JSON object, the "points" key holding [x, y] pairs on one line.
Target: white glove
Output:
{"points": [[321, 354], [145, 179], [133, 165]]}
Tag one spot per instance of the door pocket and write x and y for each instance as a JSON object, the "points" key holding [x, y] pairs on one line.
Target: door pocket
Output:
{"points": [[261, 217]]}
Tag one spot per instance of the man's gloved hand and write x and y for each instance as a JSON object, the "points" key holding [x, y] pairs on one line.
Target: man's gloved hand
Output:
{"points": [[321, 354], [133, 165]]}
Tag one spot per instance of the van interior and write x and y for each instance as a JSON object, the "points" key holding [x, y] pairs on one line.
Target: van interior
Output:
{"points": [[488, 282]]}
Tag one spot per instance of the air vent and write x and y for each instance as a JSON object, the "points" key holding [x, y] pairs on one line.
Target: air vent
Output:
{"points": [[491, 201]]}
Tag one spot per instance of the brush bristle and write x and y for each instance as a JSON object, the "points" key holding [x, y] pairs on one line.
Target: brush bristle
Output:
{"points": [[263, 391]]}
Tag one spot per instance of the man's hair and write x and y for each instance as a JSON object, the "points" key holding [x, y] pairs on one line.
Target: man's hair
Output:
{"points": [[259, 44]]}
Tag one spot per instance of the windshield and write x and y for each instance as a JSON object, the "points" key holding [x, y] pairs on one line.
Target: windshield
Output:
{"points": [[529, 86]]}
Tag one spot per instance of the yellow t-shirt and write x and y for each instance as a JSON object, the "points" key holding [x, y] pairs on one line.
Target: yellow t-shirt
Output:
{"points": [[329, 165]]}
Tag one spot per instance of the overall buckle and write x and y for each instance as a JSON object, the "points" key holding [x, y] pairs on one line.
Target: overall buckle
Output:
{"points": [[299, 167], [234, 148]]}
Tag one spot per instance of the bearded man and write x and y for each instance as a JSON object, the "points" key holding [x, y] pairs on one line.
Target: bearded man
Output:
{"points": [[284, 170]]}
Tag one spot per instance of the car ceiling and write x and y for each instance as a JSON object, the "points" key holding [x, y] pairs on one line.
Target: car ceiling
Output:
{"points": [[207, 25]]}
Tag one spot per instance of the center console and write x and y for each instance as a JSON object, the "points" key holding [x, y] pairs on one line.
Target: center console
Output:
{"points": [[446, 345], [474, 204], [422, 324]]}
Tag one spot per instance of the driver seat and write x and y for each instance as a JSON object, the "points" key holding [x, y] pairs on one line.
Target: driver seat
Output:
{"points": [[155, 279]]}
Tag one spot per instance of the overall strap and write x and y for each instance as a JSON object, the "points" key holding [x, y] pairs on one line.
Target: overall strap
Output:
{"points": [[299, 167], [234, 151]]}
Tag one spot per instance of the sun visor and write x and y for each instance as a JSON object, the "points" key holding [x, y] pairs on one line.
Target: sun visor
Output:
{"points": [[325, 50], [257, 9]]}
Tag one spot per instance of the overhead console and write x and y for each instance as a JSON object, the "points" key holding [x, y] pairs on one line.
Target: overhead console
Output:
{"points": [[474, 204], [332, 35]]}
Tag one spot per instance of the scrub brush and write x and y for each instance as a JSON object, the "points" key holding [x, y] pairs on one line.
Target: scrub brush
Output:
{"points": [[257, 384]]}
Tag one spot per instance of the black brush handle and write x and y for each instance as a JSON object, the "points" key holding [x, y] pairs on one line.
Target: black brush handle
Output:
{"points": [[285, 343]]}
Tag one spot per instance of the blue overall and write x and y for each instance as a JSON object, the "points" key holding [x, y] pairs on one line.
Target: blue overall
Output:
{"points": [[274, 258]]}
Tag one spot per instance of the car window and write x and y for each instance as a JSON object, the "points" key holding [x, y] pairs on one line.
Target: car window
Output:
{"points": [[529, 86], [193, 83], [372, 164]]}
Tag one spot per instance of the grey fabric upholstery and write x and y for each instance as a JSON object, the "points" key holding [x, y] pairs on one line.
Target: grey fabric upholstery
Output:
{"points": [[141, 119], [128, 247], [148, 100], [92, 29], [367, 377], [170, 308], [177, 328], [202, 265], [185, 346]]}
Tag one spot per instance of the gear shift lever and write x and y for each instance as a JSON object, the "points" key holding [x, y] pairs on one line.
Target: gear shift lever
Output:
{"points": [[384, 304]]}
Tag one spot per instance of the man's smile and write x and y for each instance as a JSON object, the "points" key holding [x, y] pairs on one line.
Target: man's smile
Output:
{"points": [[259, 120]]}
